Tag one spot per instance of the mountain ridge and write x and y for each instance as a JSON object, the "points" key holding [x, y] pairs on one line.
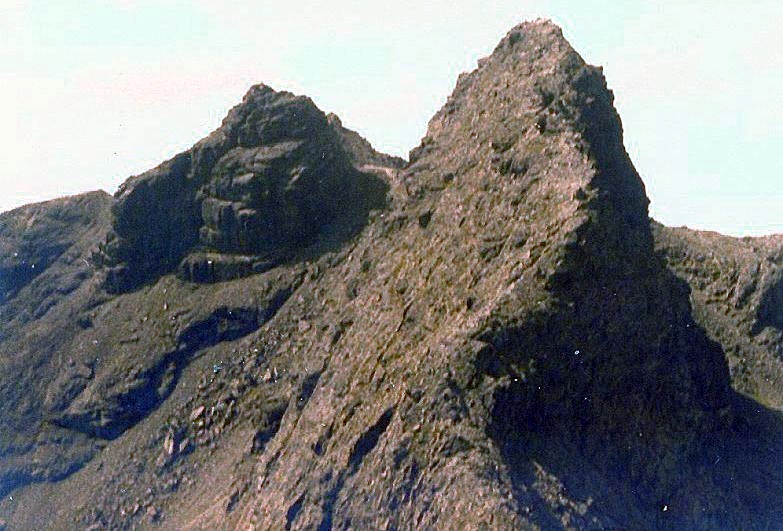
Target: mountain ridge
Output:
{"points": [[489, 335]]}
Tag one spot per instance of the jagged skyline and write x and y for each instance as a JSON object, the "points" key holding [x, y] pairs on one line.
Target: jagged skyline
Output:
{"points": [[283, 325], [96, 91]]}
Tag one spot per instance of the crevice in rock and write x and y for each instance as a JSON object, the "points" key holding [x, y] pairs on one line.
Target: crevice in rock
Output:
{"points": [[270, 425], [308, 387], [156, 383], [330, 500], [770, 310], [293, 511], [369, 440], [363, 446]]}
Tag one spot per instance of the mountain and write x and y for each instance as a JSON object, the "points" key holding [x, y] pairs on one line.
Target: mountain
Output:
{"points": [[737, 297], [283, 328]]}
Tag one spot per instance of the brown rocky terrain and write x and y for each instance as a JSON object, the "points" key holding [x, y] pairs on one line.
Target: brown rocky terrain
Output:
{"points": [[737, 297], [282, 328]]}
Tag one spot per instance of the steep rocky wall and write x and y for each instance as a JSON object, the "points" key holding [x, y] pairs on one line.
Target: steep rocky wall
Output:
{"points": [[736, 286], [482, 338], [264, 184]]}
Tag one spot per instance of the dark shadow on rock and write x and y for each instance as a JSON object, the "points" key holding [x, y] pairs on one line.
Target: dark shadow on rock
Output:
{"points": [[155, 222], [727, 480], [268, 183], [618, 441], [325, 234], [12, 481], [770, 311], [172, 244], [156, 383]]}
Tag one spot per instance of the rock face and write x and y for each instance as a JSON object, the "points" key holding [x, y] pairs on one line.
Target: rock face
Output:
{"points": [[34, 237], [261, 186], [45, 275], [737, 296], [359, 150], [302, 333]]}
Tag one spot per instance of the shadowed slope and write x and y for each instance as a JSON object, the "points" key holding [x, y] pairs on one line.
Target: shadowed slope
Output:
{"points": [[737, 295], [498, 347], [83, 363], [266, 183]]}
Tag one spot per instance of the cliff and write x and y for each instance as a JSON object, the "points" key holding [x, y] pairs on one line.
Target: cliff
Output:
{"points": [[283, 328]]}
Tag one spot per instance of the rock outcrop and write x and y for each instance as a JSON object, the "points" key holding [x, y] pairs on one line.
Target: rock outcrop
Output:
{"points": [[270, 179], [36, 236], [737, 296], [287, 329], [359, 150], [45, 274]]}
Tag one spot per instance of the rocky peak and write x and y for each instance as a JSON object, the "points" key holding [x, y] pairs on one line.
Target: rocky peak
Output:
{"points": [[267, 117], [497, 346], [533, 99], [271, 178], [513, 295]]}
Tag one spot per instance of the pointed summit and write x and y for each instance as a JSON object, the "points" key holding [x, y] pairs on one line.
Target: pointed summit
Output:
{"points": [[535, 98], [302, 330]]}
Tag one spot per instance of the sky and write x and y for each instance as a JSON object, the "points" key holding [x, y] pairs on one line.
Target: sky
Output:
{"points": [[94, 91]]}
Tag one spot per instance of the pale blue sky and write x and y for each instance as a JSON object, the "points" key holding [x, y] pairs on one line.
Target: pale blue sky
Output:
{"points": [[93, 91]]}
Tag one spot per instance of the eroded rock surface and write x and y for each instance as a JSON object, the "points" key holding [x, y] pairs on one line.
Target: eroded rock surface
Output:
{"points": [[306, 334], [81, 365], [266, 183], [737, 296]]}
